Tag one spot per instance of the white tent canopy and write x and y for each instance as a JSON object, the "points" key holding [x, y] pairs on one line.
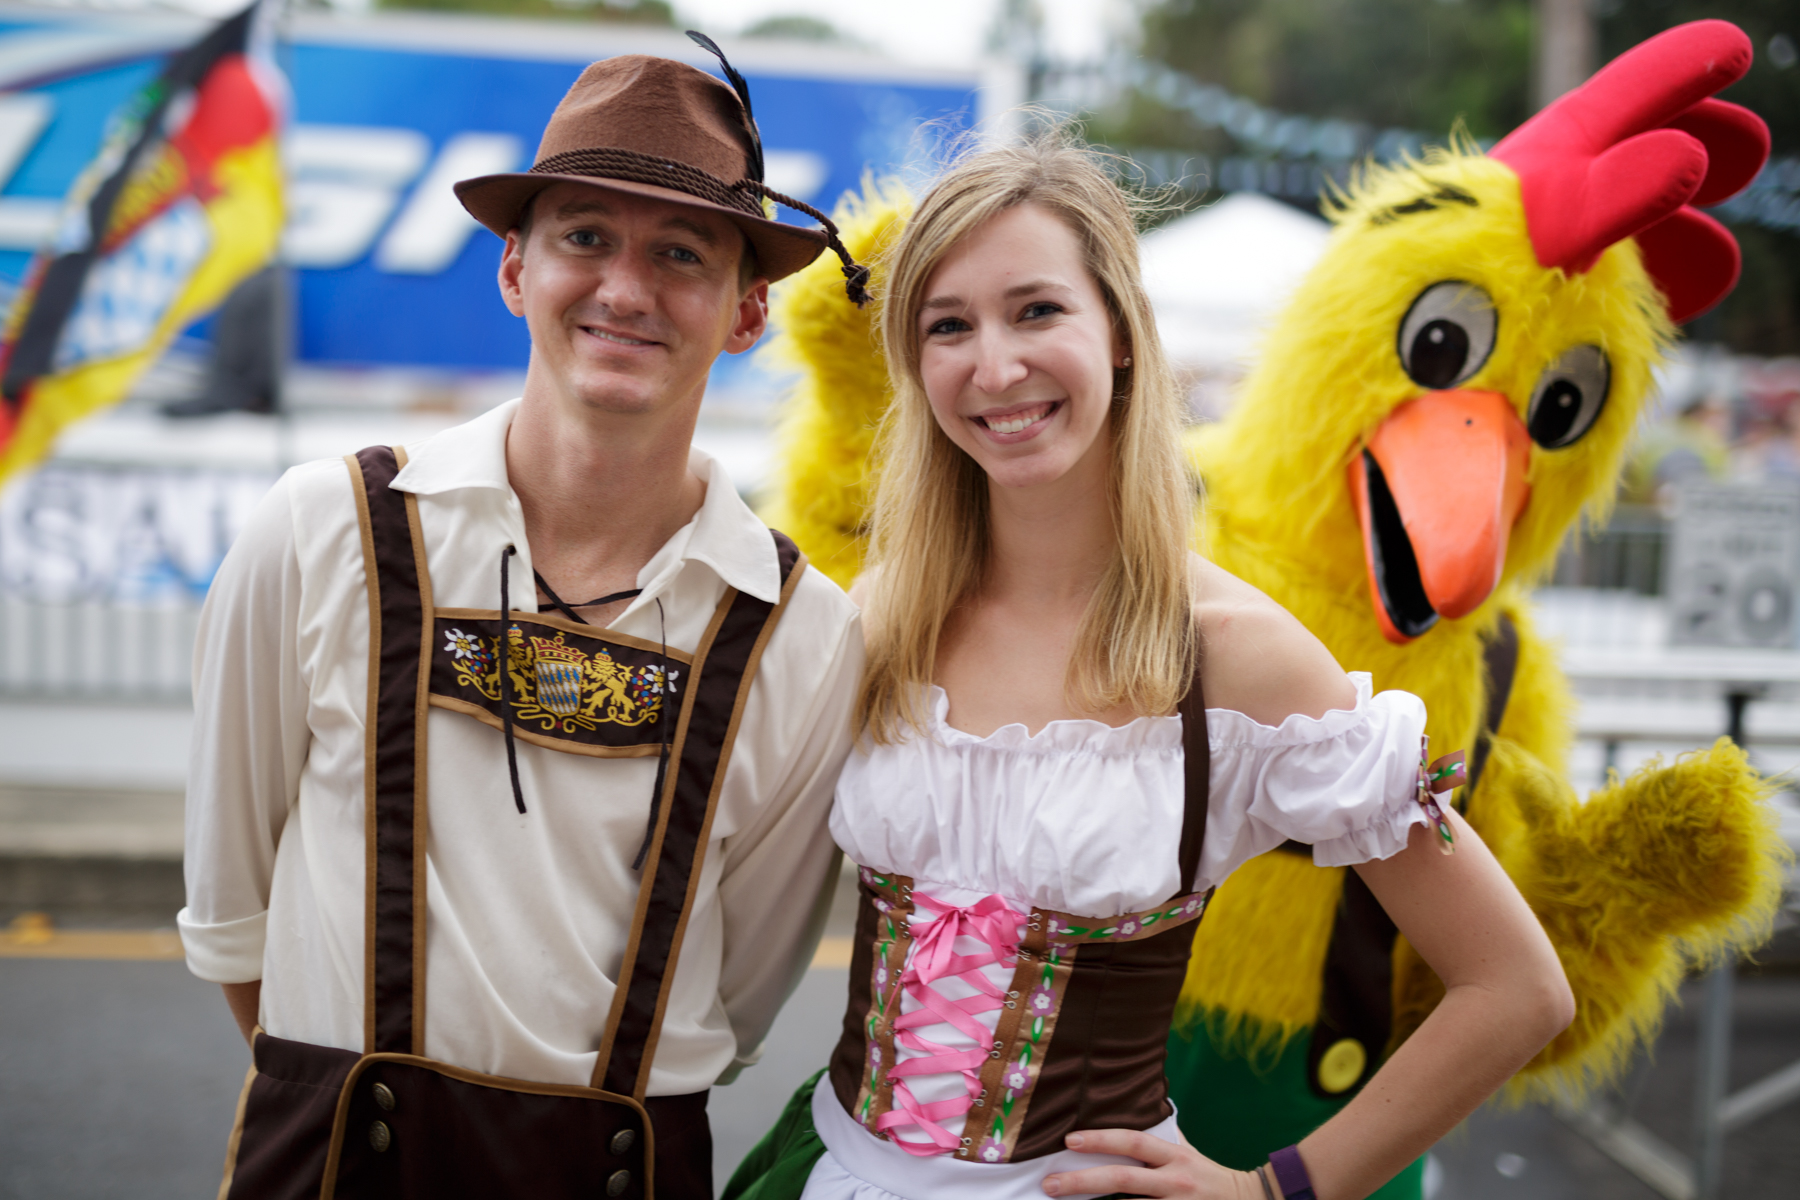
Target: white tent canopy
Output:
{"points": [[1218, 276]]}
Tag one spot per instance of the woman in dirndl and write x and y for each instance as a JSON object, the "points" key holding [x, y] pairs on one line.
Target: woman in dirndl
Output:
{"points": [[1073, 728]]}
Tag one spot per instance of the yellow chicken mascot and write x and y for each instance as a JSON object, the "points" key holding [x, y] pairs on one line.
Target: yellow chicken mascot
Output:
{"points": [[1451, 388]]}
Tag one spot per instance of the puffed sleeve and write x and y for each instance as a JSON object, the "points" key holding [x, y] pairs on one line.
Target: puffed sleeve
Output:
{"points": [[1344, 783]]}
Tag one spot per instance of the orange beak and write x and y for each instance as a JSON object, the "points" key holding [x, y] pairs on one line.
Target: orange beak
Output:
{"points": [[1437, 490]]}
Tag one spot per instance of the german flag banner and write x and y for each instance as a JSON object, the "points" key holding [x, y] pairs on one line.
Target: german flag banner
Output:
{"points": [[182, 202]]}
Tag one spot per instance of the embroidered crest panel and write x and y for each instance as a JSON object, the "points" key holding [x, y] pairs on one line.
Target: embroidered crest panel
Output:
{"points": [[576, 688]]}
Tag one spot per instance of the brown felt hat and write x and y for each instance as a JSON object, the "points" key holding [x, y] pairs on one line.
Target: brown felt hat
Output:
{"points": [[660, 128]]}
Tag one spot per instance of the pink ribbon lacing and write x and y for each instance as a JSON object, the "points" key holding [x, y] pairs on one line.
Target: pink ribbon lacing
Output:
{"points": [[994, 924]]}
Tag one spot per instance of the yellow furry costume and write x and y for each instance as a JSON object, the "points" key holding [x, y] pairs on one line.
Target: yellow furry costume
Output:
{"points": [[1677, 866]]}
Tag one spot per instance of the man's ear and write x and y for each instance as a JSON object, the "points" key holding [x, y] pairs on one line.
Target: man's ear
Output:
{"points": [[752, 317], [512, 262]]}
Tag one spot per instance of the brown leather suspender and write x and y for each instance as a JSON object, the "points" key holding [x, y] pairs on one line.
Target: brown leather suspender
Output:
{"points": [[718, 686], [395, 817], [1196, 767]]}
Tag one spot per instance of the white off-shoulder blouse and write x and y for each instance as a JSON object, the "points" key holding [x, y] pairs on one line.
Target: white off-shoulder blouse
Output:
{"points": [[1085, 818]]}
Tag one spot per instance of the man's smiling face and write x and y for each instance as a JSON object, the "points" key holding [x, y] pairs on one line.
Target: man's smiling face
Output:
{"points": [[629, 299]]}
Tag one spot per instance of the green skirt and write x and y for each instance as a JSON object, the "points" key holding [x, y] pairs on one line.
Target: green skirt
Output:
{"points": [[776, 1167]]}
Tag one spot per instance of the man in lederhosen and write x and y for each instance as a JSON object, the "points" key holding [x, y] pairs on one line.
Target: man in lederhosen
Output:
{"points": [[498, 878]]}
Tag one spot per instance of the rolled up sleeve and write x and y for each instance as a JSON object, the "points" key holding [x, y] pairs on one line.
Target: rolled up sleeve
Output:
{"points": [[249, 745]]}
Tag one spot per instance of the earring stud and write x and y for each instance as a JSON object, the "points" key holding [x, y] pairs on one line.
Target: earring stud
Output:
{"points": [[1126, 363]]}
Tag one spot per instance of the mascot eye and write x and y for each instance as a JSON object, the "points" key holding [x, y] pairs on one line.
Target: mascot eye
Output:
{"points": [[1447, 335], [1568, 397]]}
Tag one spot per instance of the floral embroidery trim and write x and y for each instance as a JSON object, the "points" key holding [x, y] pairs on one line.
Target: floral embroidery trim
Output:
{"points": [[891, 896], [1022, 1038], [1440, 778]]}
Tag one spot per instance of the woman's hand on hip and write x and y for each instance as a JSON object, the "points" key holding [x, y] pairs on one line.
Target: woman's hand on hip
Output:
{"points": [[1170, 1170]]}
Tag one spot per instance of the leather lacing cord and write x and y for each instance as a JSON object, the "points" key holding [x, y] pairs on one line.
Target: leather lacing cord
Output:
{"points": [[608, 162], [577, 617], [506, 700]]}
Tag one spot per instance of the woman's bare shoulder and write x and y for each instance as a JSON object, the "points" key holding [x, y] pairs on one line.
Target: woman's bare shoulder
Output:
{"points": [[1256, 657], [861, 585]]}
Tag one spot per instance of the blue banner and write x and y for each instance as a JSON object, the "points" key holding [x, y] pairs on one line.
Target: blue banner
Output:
{"points": [[388, 112]]}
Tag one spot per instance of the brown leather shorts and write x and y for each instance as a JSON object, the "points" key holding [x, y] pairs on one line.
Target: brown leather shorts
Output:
{"points": [[315, 1121]]}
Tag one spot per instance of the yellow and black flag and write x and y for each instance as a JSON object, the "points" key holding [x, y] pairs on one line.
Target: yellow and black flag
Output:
{"points": [[182, 202]]}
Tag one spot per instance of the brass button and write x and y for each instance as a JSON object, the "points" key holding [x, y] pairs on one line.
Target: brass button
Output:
{"points": [[384, 1097], [624, 1140], [1342, 1065], [380, 1136], [617, 1182]]}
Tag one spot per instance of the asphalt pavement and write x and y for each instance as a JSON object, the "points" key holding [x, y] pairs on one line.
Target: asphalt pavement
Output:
{"points": [[119, 1079]]}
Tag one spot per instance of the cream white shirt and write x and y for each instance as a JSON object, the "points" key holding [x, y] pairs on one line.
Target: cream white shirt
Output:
{"points": [[527, 915]]}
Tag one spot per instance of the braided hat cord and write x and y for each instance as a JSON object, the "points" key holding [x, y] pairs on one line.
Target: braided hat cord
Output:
{"points": [[856, 276], [609, 163]]}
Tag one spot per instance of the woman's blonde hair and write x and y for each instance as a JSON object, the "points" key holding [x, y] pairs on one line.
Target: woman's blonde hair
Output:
{"points": [[1136, 643]]}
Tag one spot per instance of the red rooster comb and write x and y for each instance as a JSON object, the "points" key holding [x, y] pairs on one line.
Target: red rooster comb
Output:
{"points": [[1628, 154]]}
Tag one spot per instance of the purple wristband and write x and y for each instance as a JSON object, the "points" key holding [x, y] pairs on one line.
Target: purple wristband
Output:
{"points": [[1291, 1174]]}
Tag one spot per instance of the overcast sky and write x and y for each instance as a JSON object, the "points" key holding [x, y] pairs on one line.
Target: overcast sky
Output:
{"points": [[941, 32]]}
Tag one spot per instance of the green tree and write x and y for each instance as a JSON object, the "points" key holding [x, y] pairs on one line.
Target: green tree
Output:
{"points": [[1413, 64], [1762, 315], [799, 28]]}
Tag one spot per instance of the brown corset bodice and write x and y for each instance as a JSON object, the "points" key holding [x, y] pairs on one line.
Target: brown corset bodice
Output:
{"points": [[1080, 1041]]}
